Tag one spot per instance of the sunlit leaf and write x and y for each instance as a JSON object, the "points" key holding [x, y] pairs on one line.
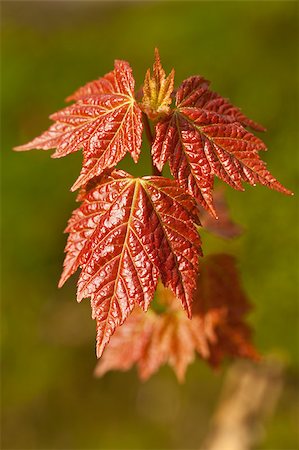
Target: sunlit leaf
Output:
{"points": [[157, 90], [205, 137], [106, 124], [126, 233]]}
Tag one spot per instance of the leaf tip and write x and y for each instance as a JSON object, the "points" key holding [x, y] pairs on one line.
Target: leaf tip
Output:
{"points": [[213, 212], [157, 54], [280, 188], [23, 148], [80, 295], [288, 192], [99, 351], [70, 98], [100, 346], [180, 376], [61, 281], [188, 310], [79, 183], [157, 90]]}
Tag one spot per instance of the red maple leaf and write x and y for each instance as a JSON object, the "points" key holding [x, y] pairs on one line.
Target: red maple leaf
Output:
{"points": [[221, 302], [128, 344], [222, 226], [217, 328], [151, 340], [105, 122], [204, 137], [129, 232], [126, 233]]}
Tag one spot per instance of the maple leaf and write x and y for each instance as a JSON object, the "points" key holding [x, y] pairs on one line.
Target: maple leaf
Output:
{"points": [[205, 137], [223, 226], [157, 90], [151, 340], [222, 304], [194, 92], [129, 343], [217, 328], [127, 232], [105, 122]]}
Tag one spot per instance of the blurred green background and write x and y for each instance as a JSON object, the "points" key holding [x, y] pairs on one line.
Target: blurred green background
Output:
{"points": [[50, 399]]}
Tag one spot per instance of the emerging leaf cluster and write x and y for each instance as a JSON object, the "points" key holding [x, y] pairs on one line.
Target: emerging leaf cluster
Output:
{"points": [[129, 233]]}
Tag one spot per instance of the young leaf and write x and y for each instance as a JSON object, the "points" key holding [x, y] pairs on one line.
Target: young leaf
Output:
{"points": [[106, 124], [126, 233], [217, 328], [157, 90], [151, 340], [204, 137]]}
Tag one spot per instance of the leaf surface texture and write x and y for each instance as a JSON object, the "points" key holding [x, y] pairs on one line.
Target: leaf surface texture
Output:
{"points": [[126, 233], [105, 122], [204, 137]]}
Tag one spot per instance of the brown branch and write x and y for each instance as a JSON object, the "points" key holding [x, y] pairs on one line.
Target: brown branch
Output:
{"points": [[249, 397]]}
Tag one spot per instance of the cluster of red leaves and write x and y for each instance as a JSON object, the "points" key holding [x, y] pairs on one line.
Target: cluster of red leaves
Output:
{"points": [[129, 232], [216, 330]]}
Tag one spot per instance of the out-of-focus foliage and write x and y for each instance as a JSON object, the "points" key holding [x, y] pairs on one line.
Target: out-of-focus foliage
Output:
{"points": [[216, 330], [49, 49]]}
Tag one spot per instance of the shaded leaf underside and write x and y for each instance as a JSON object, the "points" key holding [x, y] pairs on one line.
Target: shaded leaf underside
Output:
{"points": [[224, 226]]}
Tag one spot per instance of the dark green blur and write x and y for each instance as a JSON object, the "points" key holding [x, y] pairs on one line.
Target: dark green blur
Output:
{"points": [[50, 399]]}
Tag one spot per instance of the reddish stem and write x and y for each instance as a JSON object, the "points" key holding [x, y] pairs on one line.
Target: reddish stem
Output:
{"points": [[149, 135]]}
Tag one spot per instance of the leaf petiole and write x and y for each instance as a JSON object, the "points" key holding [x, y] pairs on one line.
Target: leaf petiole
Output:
{"points": [[150, 138]]}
